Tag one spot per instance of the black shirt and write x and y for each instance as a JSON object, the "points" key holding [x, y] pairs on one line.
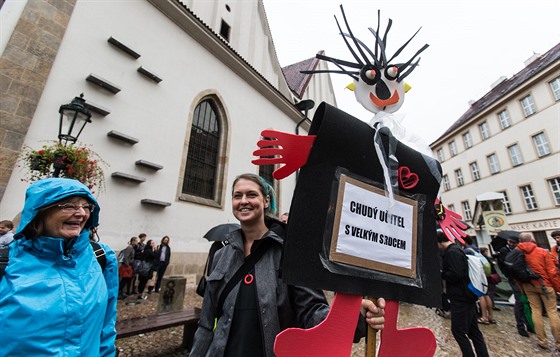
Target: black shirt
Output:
{"points": [[245, 337]]}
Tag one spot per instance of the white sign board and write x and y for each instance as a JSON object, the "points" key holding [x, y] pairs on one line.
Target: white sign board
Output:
{"points": [[368, 232]]}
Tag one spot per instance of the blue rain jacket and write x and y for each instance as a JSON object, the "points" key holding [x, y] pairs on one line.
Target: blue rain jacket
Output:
{"points": [[54, 298]]}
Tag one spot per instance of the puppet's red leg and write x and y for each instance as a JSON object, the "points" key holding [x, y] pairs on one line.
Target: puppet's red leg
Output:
{"points": [[332, 337]]}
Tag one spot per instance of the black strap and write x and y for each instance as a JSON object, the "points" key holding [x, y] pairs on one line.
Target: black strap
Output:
{"points": [[3, 260], [99, 254], [248, 264], [97, 250]]}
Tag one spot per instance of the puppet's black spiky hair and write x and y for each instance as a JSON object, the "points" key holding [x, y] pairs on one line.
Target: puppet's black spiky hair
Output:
{"points": [[379, 57]]}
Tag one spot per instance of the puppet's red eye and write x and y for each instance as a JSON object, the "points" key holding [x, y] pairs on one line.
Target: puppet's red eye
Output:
{"points": [[370, 74], [392, 72]]}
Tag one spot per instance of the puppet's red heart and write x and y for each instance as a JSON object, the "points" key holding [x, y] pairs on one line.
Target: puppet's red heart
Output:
{"points": [[407, 179], [413, 341]]}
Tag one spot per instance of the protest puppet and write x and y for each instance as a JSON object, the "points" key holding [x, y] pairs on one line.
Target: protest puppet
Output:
{"points": [[365, 208]]}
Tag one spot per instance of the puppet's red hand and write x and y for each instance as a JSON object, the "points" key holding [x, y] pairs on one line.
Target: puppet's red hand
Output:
{"points": [[332, 337], [291, 150], [450, 222], [413, 341]]}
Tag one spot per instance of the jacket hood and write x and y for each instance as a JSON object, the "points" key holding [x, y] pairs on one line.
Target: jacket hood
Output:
{"points": [[45, 192], [527, 247], [276, 226]]}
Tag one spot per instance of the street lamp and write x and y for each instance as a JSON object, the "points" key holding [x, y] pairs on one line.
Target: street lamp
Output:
{"points": [[73, 116], [304, 105]]}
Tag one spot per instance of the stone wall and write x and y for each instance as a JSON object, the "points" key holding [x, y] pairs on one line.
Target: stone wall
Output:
{"points": [[24, 68], [186, 264]]}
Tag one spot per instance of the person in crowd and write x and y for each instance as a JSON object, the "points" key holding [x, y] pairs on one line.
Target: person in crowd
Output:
{"points": [[464, 325], [163, 258], [126, 269], [284, 217], [541, 292], [520, 320], [149, 257], [6, 234], [138, 257], [485, 301], [554, 250], [445, 311], [259, 305], [56, 298], [469, 244], [493, 279]]}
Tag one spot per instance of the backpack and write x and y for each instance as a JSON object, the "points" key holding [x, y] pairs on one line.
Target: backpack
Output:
{"points": [[517, 267], [144, 268], [485, 263], [120, 257], [201, 287], [97, 250], [478, 284]]}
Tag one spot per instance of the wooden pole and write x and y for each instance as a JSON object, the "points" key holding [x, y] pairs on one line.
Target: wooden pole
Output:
{"points": [[371, 338]]}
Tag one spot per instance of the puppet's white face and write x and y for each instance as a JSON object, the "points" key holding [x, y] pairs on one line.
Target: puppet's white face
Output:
{"points": [[378, 89]]}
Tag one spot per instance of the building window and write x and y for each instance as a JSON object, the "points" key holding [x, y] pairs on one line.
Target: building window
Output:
{"points": [[446, 184], [555, 86], [515, 155], [201, 169], [475, 172], [451, 207], [529, 197], [493, 163], [225, 30], [459, 177], [541, 144], [484, 130], [528, 106], [441, 155], [467, 139], [505, 121], [555, 189], [453, 148], [507, 204], [265, 171], [466, 210]]}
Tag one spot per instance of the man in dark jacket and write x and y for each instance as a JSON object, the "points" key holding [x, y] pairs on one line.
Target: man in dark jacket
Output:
{"points": [[520, 319], [455, 273]]}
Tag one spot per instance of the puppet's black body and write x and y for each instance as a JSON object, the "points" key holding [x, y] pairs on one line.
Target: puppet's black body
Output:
{"points": [[343, 141]]}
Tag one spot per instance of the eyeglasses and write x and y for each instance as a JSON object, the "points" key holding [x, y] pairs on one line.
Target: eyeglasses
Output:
{"points": [[72, 207]]}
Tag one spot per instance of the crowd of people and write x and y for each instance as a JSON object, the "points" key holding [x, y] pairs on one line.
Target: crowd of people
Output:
{"points": [[70, 298], [142, 266], [538, 293]]}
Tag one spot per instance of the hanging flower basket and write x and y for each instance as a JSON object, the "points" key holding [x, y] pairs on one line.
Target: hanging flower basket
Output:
{"points": [[74, 161], [35, 162]]}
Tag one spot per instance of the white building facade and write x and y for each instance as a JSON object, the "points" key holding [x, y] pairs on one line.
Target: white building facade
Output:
{"points": [[508, 142], [158, 76]]}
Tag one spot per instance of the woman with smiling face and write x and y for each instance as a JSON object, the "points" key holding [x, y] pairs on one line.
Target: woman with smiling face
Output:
{"points": [[55, 299], [260, 305]]}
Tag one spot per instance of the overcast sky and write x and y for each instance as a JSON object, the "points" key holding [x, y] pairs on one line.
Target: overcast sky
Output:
{"points": [[472, 43]]}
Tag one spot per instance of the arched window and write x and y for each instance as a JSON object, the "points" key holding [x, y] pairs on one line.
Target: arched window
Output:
{"points": [[201, 169], [265, 171]]}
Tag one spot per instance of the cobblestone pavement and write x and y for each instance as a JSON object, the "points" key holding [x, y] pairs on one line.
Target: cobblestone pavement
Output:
{"points": [[502, 339]]}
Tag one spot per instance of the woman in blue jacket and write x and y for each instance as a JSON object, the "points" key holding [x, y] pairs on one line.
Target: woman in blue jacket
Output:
{"points": [[55, 299]]}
